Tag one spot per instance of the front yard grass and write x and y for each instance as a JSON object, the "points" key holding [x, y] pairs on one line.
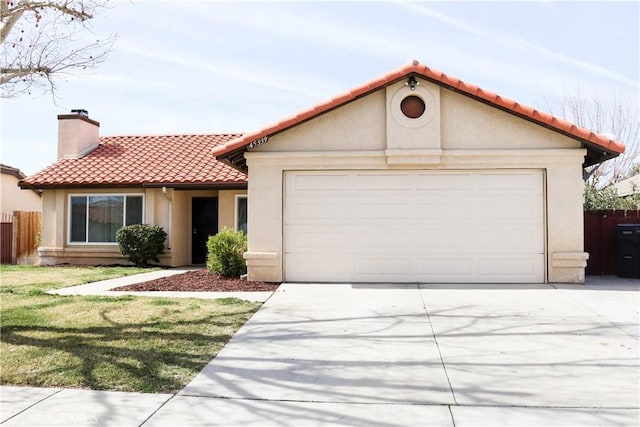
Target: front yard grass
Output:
{"points": [[124, 343]]}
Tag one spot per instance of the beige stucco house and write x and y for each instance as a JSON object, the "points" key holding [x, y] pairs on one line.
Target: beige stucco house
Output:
{"points": [[98, 184], [14, 199], [412, 177], [629, 187], [417, 177]]}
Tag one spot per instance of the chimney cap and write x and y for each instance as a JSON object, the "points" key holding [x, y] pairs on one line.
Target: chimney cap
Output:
{"points": [[80, 112]]}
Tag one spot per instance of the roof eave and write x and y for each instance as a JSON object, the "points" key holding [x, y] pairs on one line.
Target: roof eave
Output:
{"points": [[235, 156], [596, 154], [10, 170], [115, 185], [200, 186]]}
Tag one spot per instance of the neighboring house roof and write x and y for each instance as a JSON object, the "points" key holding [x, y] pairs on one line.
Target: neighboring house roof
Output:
{"points": [[17, 173], [628, 186], [599, 147], [10, 170], [148, 161]]}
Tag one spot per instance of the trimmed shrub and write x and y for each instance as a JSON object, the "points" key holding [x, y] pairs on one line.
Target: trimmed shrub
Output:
{"points": [[141, 243], [225, 251]]}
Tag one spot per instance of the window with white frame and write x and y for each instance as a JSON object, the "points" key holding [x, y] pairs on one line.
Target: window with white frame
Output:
{"points": [[96, 218], [241, 213]]}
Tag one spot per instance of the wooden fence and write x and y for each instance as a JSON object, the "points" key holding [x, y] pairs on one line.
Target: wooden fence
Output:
{"points": [[600, 239], [6, 239], [20, 236]]}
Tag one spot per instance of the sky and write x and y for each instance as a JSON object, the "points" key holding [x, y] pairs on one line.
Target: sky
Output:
{"points": [[181, 67]]}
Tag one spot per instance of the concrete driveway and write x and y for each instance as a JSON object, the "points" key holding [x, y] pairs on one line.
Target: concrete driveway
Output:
{"points": [[426, 355]]}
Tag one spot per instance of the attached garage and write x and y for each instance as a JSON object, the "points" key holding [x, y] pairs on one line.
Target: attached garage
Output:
{"points": [[417, 177], [414, 226]]}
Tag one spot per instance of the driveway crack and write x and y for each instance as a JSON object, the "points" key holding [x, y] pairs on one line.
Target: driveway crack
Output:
{"points": [[435, 339]]}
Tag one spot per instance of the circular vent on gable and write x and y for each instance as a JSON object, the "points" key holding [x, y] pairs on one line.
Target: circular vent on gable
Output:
{"points": [[412, 106]]}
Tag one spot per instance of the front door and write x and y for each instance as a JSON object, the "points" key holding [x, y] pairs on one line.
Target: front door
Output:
{"points": [[204, 220]]}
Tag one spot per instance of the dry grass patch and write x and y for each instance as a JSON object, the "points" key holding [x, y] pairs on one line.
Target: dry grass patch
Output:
{"points": [[30, 278], [109, 343]]}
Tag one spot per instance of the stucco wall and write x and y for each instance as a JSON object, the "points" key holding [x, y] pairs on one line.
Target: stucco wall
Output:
{"points": [[171, 210], [468, 124], [181, 228], [15, 199], [459, 134], [344, 129]]}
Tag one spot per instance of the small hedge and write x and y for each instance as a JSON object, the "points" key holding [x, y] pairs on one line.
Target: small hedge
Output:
{"points": [[141, 243], [225, 251]]}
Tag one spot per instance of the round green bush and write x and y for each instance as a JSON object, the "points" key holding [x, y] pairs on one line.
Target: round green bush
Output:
{"points": [[225, 251], [141, 243]]}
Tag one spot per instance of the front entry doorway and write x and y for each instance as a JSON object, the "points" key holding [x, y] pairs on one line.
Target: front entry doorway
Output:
{"points": [[204, 220]]}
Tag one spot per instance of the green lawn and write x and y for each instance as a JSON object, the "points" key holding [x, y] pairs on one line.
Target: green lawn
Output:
{"points": [[106, 343]]}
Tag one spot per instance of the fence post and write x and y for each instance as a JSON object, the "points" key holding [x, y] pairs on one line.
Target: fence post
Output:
{"points": [[14, 239]]}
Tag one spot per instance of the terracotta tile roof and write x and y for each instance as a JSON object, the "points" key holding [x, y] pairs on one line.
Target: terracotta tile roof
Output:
{"points": [[119, 161], [438, 77]]}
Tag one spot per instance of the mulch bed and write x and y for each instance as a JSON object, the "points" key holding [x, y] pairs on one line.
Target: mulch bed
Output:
{"points": [[200, 281]]}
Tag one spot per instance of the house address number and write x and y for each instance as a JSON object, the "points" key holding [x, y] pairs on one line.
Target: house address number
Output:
{"points": [[257, 142]]}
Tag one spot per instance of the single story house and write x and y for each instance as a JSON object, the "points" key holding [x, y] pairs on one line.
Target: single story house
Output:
{"points": [[415, 176], [98, 184]]}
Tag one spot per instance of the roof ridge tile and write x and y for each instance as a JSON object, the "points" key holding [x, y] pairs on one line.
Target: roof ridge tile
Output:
{"points": [[533, 114]]}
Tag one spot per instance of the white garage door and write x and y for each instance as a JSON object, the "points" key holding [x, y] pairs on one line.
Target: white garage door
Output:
{"points": [[414, 226]]}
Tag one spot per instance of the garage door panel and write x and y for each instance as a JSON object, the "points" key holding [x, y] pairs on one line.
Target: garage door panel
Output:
{"points": [[318, 267], [506, 270], [505, 238], [345, 239], [383, 266], [484, 270], [522, 182], [455, 266], [415, 226], [441, 182], [326, 182], [376, 182], [383, 211], [438, 212], [520, 210], [506, 267], [316, 241], [315, 211], [365, 241], [436, 240]]}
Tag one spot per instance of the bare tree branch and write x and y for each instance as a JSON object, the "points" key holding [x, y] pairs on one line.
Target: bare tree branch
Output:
{"points": [[43, 40], [611, 114]]}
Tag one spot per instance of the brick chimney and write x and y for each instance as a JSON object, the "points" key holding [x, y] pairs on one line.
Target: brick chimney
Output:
{"points": [[77, 134]]}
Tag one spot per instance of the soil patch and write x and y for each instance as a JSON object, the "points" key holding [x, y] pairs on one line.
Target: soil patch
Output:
{"points": [[200, 281]]}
